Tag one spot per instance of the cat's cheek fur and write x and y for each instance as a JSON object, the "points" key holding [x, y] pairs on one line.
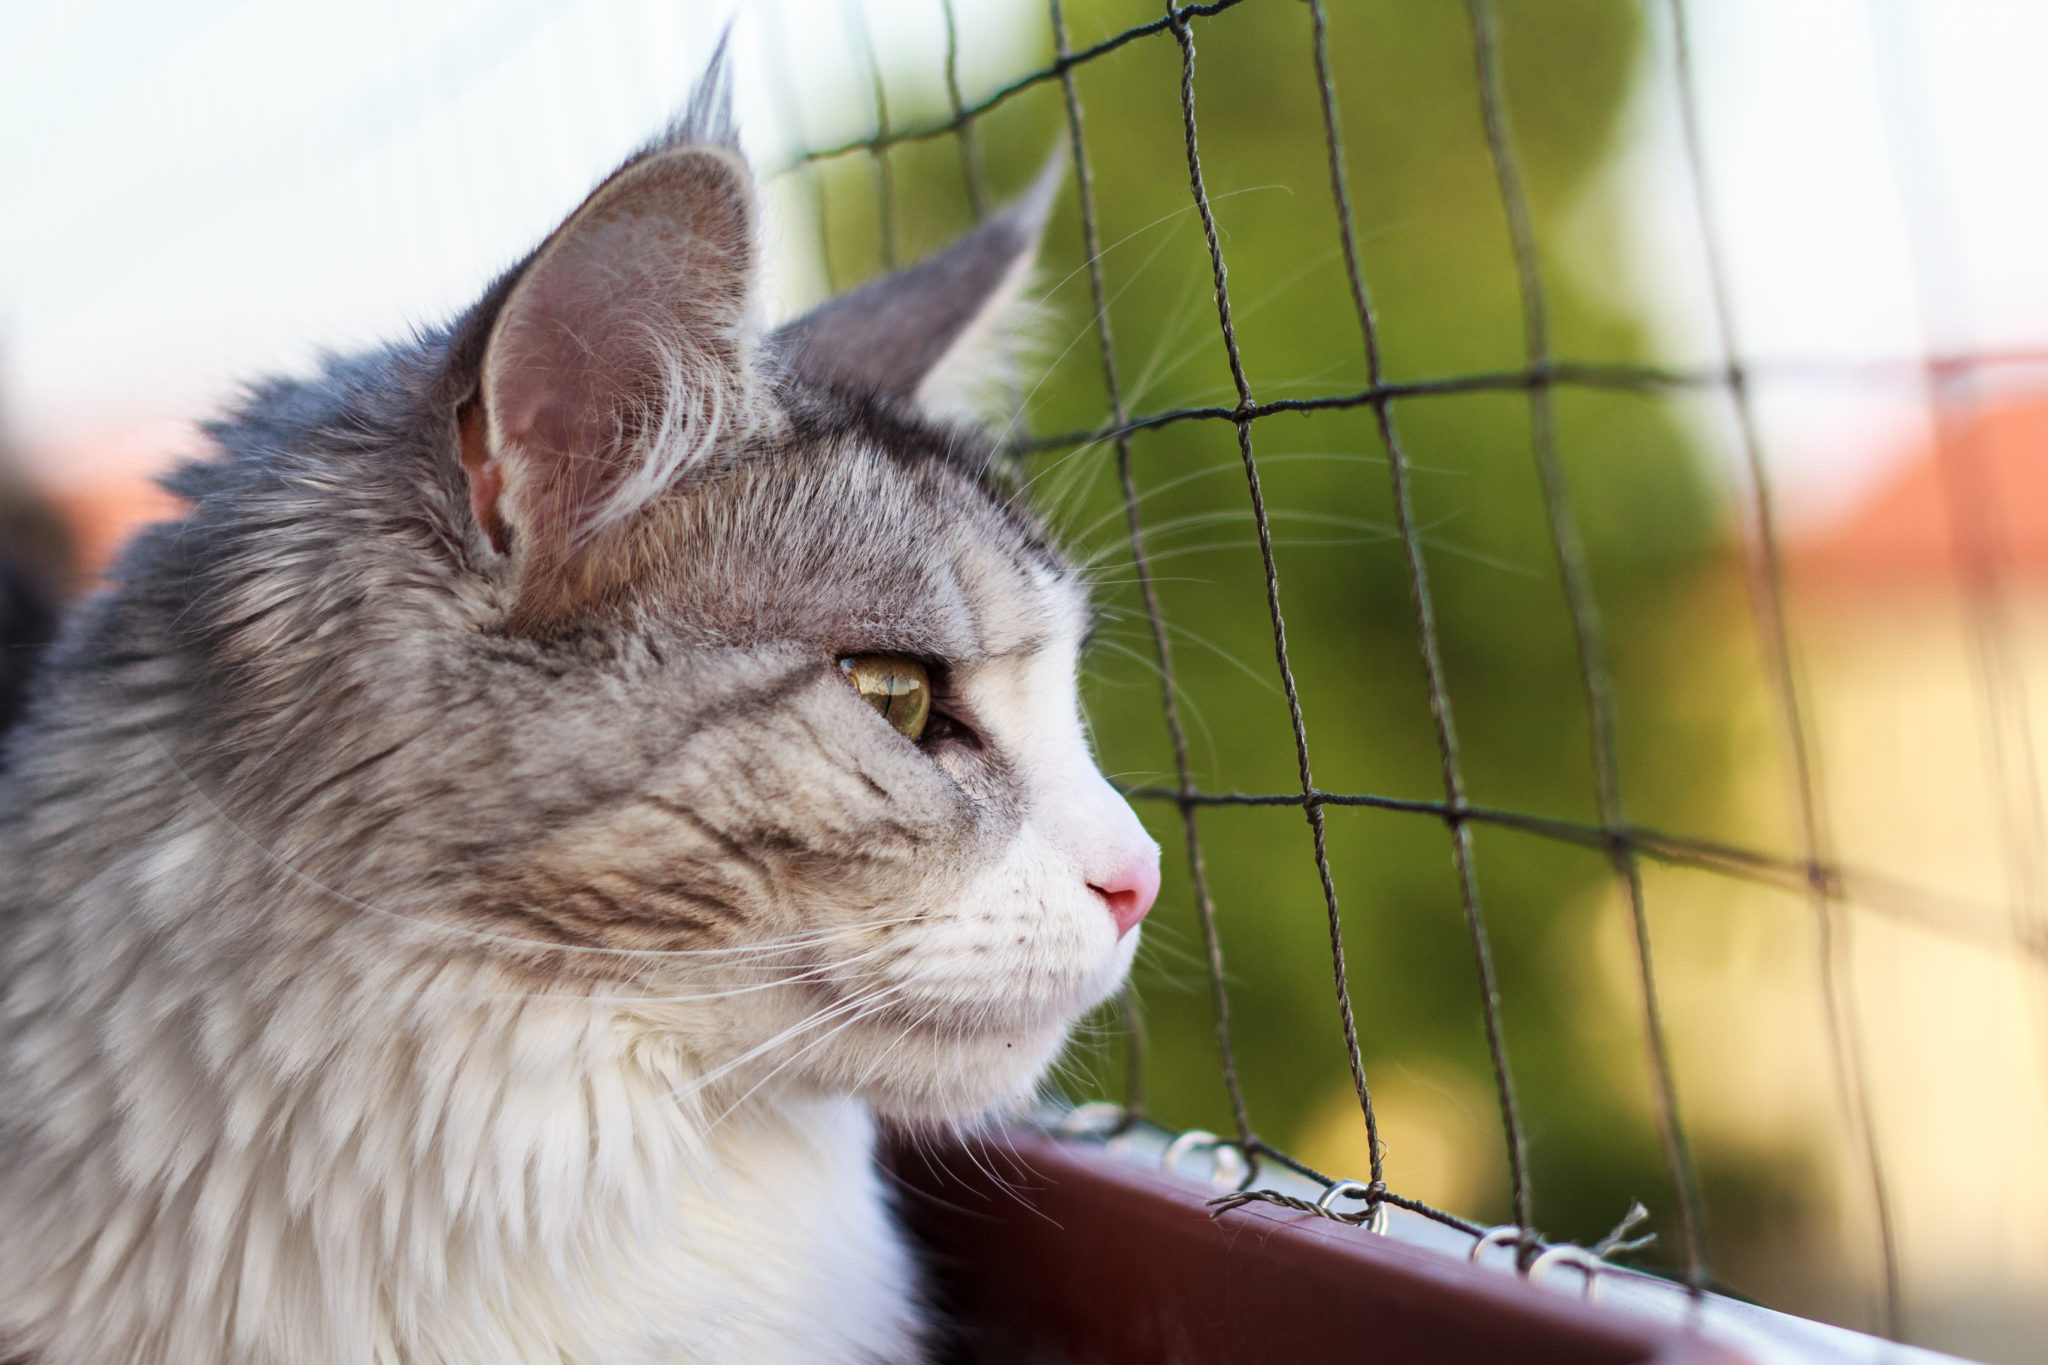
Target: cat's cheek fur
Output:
{"points": [[991, 980]]}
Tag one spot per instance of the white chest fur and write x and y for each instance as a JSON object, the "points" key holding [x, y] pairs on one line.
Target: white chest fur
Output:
{"points": [[502, 1183]]}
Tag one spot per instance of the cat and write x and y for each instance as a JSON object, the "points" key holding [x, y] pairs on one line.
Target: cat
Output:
{"points": [[476, 882]]}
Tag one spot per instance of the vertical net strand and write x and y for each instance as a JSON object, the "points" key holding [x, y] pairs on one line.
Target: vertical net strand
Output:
{"points": [[1767, 596], [878, 146], [973, 172], [1312, 805], [1162, 647], [1595, 676], [1441, 713]]}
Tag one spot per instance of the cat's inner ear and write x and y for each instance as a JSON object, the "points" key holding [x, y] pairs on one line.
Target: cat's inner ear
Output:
{"points": [[937, 332], [617, 353]]}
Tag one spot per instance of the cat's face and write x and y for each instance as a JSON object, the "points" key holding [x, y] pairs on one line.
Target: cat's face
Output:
{"points": [[801, 773]]}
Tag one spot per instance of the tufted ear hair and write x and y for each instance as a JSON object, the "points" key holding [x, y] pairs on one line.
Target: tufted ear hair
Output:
{"points": [[619, 350], [929, 334]]}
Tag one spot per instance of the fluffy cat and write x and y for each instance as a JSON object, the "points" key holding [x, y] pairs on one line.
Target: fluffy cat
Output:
{"points": [[474, 883]]}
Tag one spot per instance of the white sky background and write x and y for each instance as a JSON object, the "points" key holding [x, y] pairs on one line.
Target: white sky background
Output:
{"points": [[198, 191], [1880, 185]]}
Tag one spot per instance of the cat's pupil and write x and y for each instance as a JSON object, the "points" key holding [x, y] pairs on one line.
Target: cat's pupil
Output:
{"points": [[899, 688]]}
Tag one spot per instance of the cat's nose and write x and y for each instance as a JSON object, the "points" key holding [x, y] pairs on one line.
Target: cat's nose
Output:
{"points": [[1129, 893]]}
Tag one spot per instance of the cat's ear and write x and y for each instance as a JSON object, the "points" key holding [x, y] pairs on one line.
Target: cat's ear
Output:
{"points": [[934, 333], [617, 353], [616, 347]]}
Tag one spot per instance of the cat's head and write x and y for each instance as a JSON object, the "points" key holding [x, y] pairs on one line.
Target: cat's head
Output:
{"points": [[746, 681]]}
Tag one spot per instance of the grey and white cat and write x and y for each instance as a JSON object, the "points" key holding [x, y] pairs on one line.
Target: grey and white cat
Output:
{"points": [[471, 887]]}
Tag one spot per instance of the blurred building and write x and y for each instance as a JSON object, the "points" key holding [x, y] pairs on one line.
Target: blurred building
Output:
{"points": [[1923, 617], [1921, 626]]}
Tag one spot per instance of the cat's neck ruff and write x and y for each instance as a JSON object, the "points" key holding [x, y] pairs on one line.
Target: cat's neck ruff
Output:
{"points": [[416, 1164]]}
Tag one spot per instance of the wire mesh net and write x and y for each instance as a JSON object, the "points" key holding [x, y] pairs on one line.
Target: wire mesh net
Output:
{"points": [[1804, 863]]}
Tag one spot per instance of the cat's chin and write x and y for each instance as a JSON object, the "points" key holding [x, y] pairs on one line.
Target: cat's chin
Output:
{"points": [[945, 1080]]}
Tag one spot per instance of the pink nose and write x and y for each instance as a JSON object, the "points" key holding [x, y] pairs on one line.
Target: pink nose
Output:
{"points": [[1130, 892]]}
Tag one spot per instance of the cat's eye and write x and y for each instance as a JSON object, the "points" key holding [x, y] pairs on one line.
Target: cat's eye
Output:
{"points": [[899, 688]]}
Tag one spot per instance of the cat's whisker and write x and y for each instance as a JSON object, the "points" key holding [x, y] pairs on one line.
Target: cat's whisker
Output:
{"points": [[736, 1105], [930, 1013], [1044, 297], [1179, 323], [1171, 526], [1137, 656], [1169, 216], [960, 1137], [1227, 515], [970, 1145], [1220, 468], [1076, 481], [1071, 466], [1182, 696], [1250, 543], [850, 1007], [1180, 692], [861, 1008], [1253, 305], [1382, 536], [1167, 962], [815, 973], [1164, 941]]}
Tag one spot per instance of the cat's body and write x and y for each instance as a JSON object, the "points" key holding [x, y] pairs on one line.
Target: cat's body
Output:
{"points": [[455, 906]]}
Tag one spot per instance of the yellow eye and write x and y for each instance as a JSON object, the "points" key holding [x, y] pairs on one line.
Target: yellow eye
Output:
{"points": [[901, 689]]}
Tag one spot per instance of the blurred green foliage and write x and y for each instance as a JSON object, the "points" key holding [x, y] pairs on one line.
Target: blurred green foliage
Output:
{"points": [[1436, 256]]}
